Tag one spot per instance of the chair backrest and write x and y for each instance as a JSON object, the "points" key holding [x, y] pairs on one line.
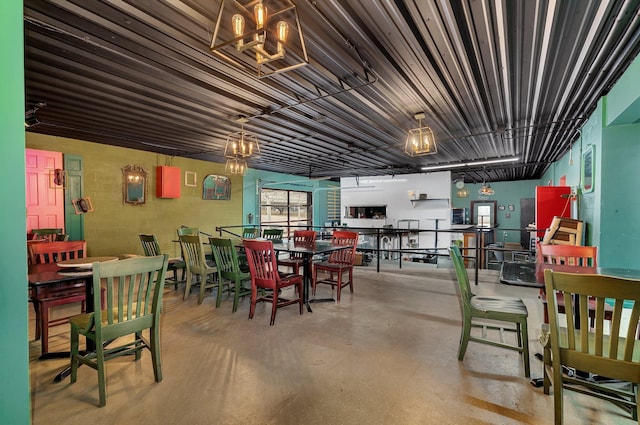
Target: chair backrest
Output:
{"points": [[225, 256], [272, 234], [302, 237], [61, 237], [193, 253], [54, 252], [133, 294], [48, 234], [344, 256], [461, 274], [263, 264], [572, 255], [586, 347], [188, 231], [249, 233], [150, 245]]}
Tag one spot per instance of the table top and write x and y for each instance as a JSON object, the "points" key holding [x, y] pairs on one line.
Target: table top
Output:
{"points": [[86, 262], [532, 274], [316, 247], [50, 273]]}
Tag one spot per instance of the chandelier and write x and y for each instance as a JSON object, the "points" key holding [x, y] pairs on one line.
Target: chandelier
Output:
{"points": [[486, 190], [250, 31], [240, 145], [420, 141]]}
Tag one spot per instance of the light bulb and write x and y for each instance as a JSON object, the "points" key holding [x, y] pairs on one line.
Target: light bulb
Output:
{"points": [[283, 31], [237, 21], [260, 12]]}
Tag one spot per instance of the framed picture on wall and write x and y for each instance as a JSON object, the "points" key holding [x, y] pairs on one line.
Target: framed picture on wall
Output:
{"points": [[216, 187], [588, 169]]}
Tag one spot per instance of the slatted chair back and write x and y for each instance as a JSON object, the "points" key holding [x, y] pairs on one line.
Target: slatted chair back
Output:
{"points": [[586, 346], [55, 252], [571, 255], [50, 234], [150, 245], [249, 233], [344, 256]]}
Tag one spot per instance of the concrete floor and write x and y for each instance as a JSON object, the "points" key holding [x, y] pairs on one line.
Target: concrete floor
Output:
{"points": [[384, 355]]}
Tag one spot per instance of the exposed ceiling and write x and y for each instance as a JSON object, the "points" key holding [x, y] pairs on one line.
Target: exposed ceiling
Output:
{"points": [[494, 79]]}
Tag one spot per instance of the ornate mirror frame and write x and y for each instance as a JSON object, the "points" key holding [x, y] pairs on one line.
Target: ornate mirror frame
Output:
{"points": [[134, 185]]}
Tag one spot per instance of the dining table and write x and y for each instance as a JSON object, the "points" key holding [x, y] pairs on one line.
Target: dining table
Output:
{"points": [[307, 250], [43, 276]]}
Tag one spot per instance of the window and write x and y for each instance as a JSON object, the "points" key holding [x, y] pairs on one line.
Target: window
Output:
{"points": [[285, 208]]}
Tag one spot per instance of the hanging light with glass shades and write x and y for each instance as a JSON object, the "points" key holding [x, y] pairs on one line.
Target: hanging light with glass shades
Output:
{"points": [[420, 140]]}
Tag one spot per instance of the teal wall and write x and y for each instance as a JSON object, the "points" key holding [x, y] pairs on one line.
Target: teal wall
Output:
{"points": [[267, 179], [14, 344], [507, 193]]}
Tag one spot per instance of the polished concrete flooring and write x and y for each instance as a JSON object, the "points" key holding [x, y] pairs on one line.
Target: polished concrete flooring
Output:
{"points": [[383, 355]]}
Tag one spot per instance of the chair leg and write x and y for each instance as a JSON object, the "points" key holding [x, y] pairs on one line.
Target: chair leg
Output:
{"points": [[464, 338], [154, 342], [236, 295], [187, 287], [254, 297], [351, 280], [74, 354], [313, 281], [523, 335], [557, 393], [102, 385], [300, 300], [36, 310], [44, 327], [339, 287], [274, 306], [219, 294]]}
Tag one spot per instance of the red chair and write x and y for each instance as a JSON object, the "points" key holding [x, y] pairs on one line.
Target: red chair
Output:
{"points": [[339, 263], [263, 267], [566, 255], [296, 259], [72, 292]]}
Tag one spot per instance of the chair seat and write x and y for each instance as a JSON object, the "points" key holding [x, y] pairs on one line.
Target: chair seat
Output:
{"points": [[501, 304], [325, 265]]}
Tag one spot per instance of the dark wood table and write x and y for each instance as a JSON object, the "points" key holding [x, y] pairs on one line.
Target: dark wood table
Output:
{"points": [[47, 275], [308, 250]]}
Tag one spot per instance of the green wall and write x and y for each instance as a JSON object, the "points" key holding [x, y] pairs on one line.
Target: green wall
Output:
{"points": [[14, 344], [507, 193], [113, 227], [255, 179]]}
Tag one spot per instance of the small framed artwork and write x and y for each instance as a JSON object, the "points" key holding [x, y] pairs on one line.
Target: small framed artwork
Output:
{"points": [[57, 179], [501, 207], [588, 169], [216, 187], [190, 178], [512, 207], [82, 205]]}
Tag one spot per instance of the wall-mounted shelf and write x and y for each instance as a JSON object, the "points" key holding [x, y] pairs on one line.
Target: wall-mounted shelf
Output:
{"points": [[414, 202]]}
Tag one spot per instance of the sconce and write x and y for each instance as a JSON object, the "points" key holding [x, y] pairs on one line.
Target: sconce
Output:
{"points": [[242, 32]]}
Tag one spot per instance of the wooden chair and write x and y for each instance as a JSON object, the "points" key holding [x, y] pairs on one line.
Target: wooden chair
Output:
{"points": [[509, 310], [151, 248], [571, 255], [339, 263], [264, 275], [272, 234], [50, 235], [68, 293], [581, 347], [198, 268], [249, 233], [227, 263], [295, 259], [133, 290]]}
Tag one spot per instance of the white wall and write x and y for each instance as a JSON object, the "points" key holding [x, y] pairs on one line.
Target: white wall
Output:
{"points": [[396, 193]]}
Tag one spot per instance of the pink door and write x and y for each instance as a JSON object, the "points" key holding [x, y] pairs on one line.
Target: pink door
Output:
{"points": [[45, 198]]}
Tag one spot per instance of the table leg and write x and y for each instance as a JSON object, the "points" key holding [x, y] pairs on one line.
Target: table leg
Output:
{"points": [[307, 283]]}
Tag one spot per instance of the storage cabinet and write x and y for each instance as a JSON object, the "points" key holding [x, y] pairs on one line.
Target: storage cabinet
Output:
{"points": [[167, 182]]}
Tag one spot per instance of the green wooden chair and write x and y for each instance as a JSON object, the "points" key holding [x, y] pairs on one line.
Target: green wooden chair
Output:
{"points": [[274, 235], [227, 263], [199, 268], [133, 290], [580, 346], [49, 234], [249, 233], [476, 309], [151, 248]]}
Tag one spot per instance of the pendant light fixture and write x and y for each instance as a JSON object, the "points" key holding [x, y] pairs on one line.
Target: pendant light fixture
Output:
{"points": [[240, 145], [420, 140], [260, 31]]}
